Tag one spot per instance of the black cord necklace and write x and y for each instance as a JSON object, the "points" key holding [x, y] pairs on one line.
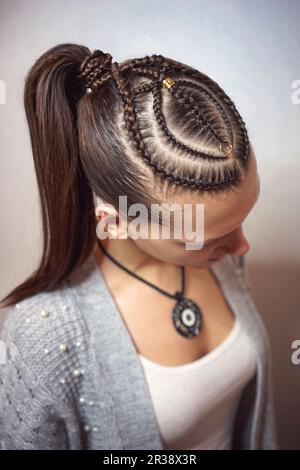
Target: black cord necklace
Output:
{"points": [[186, 315]]}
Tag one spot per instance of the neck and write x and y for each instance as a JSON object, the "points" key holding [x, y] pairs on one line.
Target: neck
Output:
{"points": [[126, 252]]}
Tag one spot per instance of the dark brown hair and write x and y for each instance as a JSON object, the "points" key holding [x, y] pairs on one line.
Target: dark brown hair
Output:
{"points": [[114, 129]]}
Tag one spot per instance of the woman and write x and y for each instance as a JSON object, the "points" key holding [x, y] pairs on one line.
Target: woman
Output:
{"points": [[127, 342]]}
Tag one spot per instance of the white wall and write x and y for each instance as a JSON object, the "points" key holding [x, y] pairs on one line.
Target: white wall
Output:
{"points": [[252, 50]]}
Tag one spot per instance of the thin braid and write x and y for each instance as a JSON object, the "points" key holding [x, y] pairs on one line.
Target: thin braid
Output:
{"points": [[213, 85], [186, 101], [171, 138], [155, 87], [157, 77], [141, 65], [194, 103], [133, 129], [96, 69], [144, 88], [218, 90]]}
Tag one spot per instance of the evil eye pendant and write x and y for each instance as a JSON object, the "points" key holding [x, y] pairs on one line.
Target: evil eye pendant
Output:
{"points": [[187, 318]]}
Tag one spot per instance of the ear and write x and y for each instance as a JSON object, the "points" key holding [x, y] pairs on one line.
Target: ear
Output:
{"points": [[104, 210], [109, 221]]}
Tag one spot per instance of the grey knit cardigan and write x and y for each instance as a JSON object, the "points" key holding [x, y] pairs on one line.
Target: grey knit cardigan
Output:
{"points": [[72, 378]]}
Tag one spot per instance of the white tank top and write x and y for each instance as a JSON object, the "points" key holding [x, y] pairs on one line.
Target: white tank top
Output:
{"points": [[195, 403]]}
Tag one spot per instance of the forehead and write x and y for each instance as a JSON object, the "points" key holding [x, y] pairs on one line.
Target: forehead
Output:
{"points": [[226, 212]]}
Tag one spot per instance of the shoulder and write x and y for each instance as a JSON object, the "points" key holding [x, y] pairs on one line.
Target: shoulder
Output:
{"points": [[48, 331]]}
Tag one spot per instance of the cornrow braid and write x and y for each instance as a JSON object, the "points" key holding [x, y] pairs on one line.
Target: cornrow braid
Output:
{"points": [[172, 139], [224, 171], [136, 138], [178, 93], [194, 74]]}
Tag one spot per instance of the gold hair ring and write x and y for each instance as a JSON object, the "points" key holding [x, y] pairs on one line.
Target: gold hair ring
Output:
{"points": [[168, 82], [227, 148]]}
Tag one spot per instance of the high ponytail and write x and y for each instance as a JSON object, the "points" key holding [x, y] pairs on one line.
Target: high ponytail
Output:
{"points": [[67, 209]]}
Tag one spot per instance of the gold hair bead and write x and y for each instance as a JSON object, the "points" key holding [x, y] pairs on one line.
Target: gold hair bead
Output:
{"points": [[168, 82], [227, 148]]}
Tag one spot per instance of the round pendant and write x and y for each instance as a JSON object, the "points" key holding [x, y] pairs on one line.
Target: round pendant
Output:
{"points": [[187, 318]]}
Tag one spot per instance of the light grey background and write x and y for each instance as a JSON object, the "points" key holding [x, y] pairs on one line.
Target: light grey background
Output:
{"points": [[252, 50]]}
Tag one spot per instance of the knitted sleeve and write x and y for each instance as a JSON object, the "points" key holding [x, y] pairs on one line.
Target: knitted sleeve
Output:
{"points": [[29, 416], [39, 391]]}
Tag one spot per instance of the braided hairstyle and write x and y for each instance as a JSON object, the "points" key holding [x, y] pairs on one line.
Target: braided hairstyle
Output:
{"points": [[146, 129], [189, 134]]}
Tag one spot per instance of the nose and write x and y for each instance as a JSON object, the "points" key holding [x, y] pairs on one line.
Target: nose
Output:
{"points": [[238, 245]]}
